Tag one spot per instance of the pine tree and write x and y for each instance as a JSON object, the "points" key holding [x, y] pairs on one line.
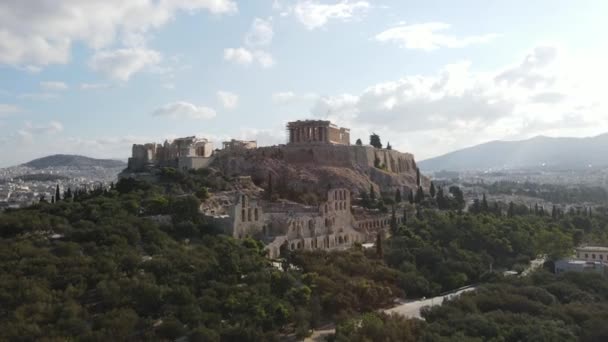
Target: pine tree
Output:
{"points": [[57, 194], [398, 196], [432, 191], [359, 142], [374, 140], [379, 249]]}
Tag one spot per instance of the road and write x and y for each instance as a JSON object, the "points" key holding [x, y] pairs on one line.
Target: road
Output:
{"points": [[411, 309]]}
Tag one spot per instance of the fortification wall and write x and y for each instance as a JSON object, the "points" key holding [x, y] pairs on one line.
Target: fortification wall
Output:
{"points": [[352, 156]]}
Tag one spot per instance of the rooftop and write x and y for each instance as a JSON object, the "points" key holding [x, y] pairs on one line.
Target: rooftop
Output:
{"points": [[592, 249]]}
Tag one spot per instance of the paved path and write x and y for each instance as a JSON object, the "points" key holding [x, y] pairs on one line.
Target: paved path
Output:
{"points": [[411, 309]]}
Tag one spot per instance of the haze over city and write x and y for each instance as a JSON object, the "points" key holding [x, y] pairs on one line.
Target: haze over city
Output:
{"points": [[95, 77]]}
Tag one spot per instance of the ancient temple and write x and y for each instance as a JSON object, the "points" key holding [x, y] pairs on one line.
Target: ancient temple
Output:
{"points": [[317, 131]]}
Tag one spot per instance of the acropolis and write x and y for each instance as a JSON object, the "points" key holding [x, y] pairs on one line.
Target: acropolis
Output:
{"points": [[316, 159]]}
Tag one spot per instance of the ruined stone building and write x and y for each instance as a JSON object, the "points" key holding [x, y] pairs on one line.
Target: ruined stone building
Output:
{"points": [[239, 145], [182, 153], [330, 225], [317, 131]]}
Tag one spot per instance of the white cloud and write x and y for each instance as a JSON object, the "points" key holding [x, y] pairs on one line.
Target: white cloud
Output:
{"points": [[227, 99], [246, 57], [314, 14], [288, 97], [7, 109], [429, 36], [547, 93], [39, 33], [53, 86], [31, 131], [92, 86], [121, 64], [260, 34], [37, 96], [184, 110], [239, 55]]}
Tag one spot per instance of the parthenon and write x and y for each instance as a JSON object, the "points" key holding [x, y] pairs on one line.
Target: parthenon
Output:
{"points": [[317, 131]]}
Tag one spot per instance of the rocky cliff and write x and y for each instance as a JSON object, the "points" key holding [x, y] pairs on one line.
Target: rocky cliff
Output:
{"points": [[315, 168]]}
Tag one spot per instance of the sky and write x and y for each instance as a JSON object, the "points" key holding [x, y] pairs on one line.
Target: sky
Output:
{"points": [[94, 77]]}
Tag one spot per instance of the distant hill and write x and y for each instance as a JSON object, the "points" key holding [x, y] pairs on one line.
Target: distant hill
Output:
{"points": [[75, 161], [539, 152]]}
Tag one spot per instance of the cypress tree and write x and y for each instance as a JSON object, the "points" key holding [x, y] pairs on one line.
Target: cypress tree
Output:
{"points": [[511, 211], [411, 196], [398, 196], [418, 177], [394, 225], [359, 142], [388, 146], [372, 192], [57, 194], [379, 249], [441, 205], [484, 204], [269, 185], [419, 195], [432, 191]]}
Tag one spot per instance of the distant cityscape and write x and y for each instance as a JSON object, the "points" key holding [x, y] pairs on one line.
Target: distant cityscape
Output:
{"points": [[23, 185]]}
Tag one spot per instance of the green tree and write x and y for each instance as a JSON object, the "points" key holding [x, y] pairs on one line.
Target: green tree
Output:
{"points": [[372, 193], [432, 190], [410, 197], [57, 194], [358, 142], [419, 195], [398, 196], [388, 146], [379, 248], [418, 177], [374, 140]]}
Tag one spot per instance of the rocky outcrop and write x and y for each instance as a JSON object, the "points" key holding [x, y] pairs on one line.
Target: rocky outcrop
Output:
{"points": [[315, 168]]}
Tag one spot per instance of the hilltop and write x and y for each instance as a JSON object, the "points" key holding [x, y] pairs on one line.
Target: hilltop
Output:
{"points": [[72, 161], [538, 152]]}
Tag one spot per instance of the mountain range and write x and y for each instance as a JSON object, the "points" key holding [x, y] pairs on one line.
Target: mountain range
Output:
{"points": [[72, 161], [540, 152]]}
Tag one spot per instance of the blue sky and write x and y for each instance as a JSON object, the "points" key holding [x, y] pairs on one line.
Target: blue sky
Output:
{"points": [[94, 77]]}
